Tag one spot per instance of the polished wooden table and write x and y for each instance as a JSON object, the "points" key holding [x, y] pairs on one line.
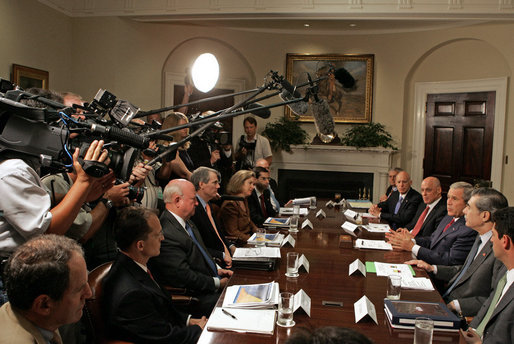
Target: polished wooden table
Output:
{"points": [[328, 280]]}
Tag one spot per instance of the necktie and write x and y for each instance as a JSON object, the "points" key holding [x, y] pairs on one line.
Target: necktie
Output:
{"points": [[448, 225], [56, 339], [469, 260], [419, 224], [207, 258], [209, 215], [398, 204], [263, 206], [498, 291]]}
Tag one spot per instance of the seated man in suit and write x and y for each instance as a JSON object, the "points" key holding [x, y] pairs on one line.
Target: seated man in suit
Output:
{"points": [[451, 241], [431, 211], [259, 201], [469, 285], [184, 261], [494, 323], [206, 183], [135, 307], [46, 282], [273, 186], [391, 175], [401, 206]]}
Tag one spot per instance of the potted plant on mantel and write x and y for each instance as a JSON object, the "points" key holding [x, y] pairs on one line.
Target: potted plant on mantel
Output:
{"points": [[368, 135], [283, 133]]}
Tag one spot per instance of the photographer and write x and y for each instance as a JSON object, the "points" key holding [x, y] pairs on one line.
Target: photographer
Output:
{"points": [[252, 146]]}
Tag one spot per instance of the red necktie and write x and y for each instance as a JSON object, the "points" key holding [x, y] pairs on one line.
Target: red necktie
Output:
{"points": [[263, 206], [448, 225], [419, 224]]}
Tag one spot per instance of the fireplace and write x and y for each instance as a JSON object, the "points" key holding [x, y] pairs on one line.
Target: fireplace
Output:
{"points": [[324, 170]]}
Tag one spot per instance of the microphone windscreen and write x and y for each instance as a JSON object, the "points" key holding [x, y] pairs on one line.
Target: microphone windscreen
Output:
{"points": [[344, 78], [323, 120], [262, 113], [299, 108], [289, 88]]}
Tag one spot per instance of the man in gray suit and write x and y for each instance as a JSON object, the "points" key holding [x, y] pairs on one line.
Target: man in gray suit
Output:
{"points": [[469, 285], [184, 260], [494, 323]]}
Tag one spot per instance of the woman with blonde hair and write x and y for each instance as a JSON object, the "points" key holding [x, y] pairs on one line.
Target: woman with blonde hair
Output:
{"points": [[234, 214], [182, 166]]}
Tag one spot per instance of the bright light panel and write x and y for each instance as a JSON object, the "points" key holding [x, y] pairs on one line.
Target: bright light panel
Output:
{"points": [[205, 72]]}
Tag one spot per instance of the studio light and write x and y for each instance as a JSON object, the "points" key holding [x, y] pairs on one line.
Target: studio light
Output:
{"points": [[205, 72]]}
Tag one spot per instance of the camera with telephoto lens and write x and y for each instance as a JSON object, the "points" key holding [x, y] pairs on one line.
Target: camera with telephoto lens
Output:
{"points": [[215, 136], [135, 193]]}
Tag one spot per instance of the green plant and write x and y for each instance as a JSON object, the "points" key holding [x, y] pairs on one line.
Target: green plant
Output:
{"points": [[368, 135], [283, 133]]}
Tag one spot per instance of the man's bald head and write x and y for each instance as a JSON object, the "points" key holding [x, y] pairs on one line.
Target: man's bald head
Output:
{"points": [[403, 182], [180, 198], [430, 190]]}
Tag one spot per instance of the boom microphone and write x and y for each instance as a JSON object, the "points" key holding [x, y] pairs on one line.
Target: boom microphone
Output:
{"points": [[299, 108], [262, 113], [323, 120], [117, 134], [344, 78]]}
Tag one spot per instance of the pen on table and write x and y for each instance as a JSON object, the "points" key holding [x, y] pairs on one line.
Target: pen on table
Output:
{"points": [[229, 314]]}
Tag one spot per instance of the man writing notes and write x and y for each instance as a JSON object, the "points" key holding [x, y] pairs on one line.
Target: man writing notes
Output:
{"points": [[451, 241], [136, 309], [401, 206], [469, 285], [184, 261], [494, 323]]}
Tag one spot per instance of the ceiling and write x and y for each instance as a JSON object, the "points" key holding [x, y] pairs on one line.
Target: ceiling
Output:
{"points": [[327, 17]]}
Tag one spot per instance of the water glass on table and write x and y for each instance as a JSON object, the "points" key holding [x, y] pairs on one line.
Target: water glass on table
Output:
{"points": [[260, 237], [394, 287], [295, 218], [423, 330], [292, 264], [285, 310]]}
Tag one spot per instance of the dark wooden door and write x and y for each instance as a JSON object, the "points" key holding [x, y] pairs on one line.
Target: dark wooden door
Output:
{"points": [[459, 136]]}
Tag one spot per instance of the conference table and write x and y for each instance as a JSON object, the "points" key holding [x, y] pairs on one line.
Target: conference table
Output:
{"points": [[328, 280]]}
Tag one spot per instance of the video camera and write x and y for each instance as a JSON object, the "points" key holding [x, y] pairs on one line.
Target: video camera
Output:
{"points": [[215, 136]]}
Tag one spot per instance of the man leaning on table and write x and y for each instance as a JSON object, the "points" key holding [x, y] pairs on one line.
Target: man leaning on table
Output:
{"points": [[469, 285], [451, 241], [494, 323], [401, 206]]}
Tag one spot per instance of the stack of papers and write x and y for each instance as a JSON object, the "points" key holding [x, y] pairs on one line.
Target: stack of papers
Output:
{"points": [[289, 211], [277, 222], [255, 296], [359, 204], [256, 253], [404, 270], [377, 227], [373, 244], [274, 240], [260, 321]]}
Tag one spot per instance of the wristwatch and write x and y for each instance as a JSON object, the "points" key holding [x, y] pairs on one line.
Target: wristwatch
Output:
{"points": [[107, 202]]}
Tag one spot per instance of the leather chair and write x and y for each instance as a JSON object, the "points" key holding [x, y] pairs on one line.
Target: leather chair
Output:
{"points": [[93, 312]]}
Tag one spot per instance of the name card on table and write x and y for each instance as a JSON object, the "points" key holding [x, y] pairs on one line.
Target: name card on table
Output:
{"points": [[357, 265], [330, 204], [321, 214], [303, 263], [307, 224], [288, 240], [350, 214], [303, 301], [364, 308], [350, 228]]}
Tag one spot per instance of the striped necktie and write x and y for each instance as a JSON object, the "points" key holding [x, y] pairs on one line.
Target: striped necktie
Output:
{"points": [[498, 291], [470, 259]]}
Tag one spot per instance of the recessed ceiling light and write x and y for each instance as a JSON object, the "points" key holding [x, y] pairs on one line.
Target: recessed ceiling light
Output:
{"points": [[306, 25], [353, 25]]}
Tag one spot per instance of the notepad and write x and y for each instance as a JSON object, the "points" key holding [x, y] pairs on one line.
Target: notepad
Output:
{"points": [[260, 321]]}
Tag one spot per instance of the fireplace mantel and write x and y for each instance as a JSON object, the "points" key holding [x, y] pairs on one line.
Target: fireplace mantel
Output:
{"points": [[376, 160]]}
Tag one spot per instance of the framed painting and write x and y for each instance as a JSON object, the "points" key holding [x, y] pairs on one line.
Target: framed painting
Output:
{"points": [[27, 77], [349, 102]]}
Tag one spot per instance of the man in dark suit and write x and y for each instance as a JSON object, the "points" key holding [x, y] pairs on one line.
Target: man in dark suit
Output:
{"points": [[272, 186], [401, 206], [259, 201], [184, 261], [431, 211], [135, 307], [469, 285], [494, 323], [206, 183], [451, 241]]}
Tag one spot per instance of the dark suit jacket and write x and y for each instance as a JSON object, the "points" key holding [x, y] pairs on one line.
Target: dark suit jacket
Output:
{"points": [[448, 248], [500, 327], [407, 209], [475, 286], [180, 263], [208, 233], [235, 220], [137, 310], [254, 204], [431, 221]]}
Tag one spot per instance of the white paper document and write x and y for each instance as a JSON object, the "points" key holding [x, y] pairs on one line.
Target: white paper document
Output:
{"points": [[246, 320], [418, 283], [386, 269], [359, 204], [373, 244], [377, 227], [256, 253], [364, 307], [254, 296], [357, 265]]}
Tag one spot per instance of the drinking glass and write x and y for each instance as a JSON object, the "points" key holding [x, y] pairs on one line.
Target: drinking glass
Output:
{"points": [[285, 310], [292, 264], [394, 287], [295, 218], [260, 237], [313, 203], [423, 330]]}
